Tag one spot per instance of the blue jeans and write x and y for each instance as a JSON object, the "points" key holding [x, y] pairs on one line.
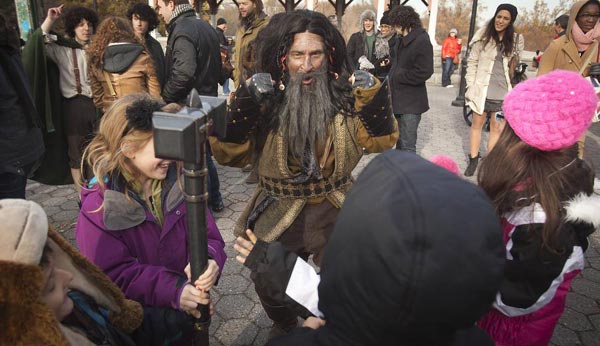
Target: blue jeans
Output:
{"points": [[226, 87], [447, 70], [408, 125], [214, 186]]}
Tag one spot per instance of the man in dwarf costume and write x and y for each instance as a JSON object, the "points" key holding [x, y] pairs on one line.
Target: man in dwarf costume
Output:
{"points": [[305, 122]]}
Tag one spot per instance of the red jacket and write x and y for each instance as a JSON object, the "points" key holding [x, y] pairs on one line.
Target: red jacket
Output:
{"points": [[450, 47]]}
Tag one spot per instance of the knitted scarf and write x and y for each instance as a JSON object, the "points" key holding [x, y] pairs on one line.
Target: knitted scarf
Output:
{"points": [[584, 41]]}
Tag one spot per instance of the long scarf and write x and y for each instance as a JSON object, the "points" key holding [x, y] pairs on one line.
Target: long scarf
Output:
{"points": [[584, 41]]}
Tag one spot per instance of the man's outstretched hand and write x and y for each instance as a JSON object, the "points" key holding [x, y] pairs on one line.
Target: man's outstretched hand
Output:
{"points": [[244, 247]]}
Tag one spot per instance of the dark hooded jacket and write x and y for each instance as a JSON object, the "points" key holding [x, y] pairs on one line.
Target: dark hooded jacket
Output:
{"points": [[409, 262], [193, 58]]}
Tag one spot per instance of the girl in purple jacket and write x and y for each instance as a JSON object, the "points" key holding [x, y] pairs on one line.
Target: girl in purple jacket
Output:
{"points": [[132, 221]]}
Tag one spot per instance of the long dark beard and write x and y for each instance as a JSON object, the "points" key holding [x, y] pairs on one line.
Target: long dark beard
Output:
{"points": [[306, 112]]}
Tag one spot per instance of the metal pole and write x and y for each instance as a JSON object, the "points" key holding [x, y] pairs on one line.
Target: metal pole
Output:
{"points": [[460, 98], [196, 198]]}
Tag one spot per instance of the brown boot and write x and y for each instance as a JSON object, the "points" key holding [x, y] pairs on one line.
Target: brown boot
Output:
{"points": [[247, 168], [252, 177]]}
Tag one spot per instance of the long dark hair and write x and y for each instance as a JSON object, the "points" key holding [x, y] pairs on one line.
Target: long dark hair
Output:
{"points": [[508, 40], [515, 175]]}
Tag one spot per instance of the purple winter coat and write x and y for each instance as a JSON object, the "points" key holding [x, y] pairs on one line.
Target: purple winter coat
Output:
{"points": [[124, 239]]}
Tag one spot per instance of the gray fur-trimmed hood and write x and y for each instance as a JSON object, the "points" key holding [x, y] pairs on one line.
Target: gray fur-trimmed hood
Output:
{"points": [[584, 208], [367, 14]]}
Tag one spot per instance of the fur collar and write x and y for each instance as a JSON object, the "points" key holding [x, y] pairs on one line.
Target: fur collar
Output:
{"points": [[584, 208]]}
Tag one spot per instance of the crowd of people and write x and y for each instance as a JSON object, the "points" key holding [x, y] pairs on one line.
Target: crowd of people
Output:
{"points": [[398, 261]]}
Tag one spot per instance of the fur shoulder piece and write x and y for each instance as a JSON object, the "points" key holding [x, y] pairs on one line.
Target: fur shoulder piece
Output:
{"points": [[584, 208]]}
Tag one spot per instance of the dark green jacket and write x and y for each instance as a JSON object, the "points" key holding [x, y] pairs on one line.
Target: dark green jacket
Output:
{"points": [[43, 79]]}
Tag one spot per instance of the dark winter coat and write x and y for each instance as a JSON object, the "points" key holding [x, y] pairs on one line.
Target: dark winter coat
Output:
{"points": [[402, 266], [158, 57], [412, 65], [21, 142], [357, 47], [193, 58]]}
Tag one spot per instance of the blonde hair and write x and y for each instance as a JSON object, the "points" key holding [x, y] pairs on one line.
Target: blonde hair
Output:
{"points": [[104, 155]]}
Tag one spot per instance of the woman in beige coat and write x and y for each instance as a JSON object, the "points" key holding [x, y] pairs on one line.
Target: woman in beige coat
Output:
{"points": [[487, 77], [577, 50], [119, 64]]}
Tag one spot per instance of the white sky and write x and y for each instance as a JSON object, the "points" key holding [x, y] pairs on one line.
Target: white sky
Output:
{"points": [[492, 4]]}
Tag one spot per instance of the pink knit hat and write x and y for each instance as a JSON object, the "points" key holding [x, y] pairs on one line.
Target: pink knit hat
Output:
{"points": [[445, 162], [551, 112]]}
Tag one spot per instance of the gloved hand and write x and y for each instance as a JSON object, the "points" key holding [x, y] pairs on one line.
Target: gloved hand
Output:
{"points": [[365, 64], [595, 69], [362, 79], [260, 86]]}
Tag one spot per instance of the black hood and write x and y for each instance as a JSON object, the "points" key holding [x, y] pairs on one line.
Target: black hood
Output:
{"points": [[118, 57], [416, 255]]}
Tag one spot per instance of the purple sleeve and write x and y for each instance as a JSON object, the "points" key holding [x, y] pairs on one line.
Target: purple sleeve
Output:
{"points": [[148, 284], [216, 245]]}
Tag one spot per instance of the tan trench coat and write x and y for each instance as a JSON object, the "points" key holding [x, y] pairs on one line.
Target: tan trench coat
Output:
{"points": [[479, 70]]}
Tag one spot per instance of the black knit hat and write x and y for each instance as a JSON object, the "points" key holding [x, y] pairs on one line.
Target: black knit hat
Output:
{"points": [[510, 8], [385, 20], [221, 21]]}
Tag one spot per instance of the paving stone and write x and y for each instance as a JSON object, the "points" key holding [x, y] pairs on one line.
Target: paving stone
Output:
{"points": [[594, 262], [239, 197], [262, 337], [236, 332], [232, 266], [234, 306], [223, 213], [259, 316], [582, 304], [595, 319], [50, 211], [592, 275], [53, 202], [64, 192], [225, 224], [587, 288], [565, 337], [237, 189], [65, 215], [591, 338], [575, 321], [233, 284], [214, 341]]}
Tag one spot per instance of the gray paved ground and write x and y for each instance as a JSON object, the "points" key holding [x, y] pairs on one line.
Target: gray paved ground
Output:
{"points": [[239, 318]]}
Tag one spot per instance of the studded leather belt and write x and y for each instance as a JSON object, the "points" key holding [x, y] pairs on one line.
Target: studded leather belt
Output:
{"points": [[312, 189]]}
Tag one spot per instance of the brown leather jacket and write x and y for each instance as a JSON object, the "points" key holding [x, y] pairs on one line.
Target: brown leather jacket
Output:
{"points": [[139, 77]]}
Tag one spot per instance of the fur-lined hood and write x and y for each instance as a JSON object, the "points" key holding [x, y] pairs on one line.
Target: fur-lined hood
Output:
{"points": [[367, 14], [26, 320], [584, 208]]}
